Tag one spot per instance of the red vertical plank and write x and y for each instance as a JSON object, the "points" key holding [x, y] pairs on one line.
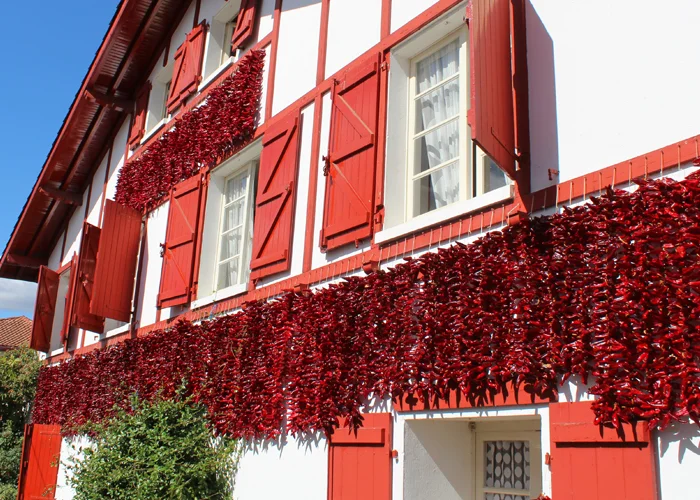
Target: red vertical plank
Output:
{"points": [[117, 255], [44, 309], [359, 465], [350, 172], [275, 201], [593, 463], [491, 116]]}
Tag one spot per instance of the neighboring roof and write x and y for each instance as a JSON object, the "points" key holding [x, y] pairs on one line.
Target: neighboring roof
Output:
{"points": [[15, 332], [139, 29]]}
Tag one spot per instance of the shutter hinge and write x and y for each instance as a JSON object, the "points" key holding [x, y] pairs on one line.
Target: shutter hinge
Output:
{"points": [[468, 13], [385, 65], [162, 250], [326, 164]]}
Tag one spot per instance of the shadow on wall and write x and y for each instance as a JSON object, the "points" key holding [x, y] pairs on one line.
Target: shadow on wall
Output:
{"points": [[683, 434], [544, 139]]}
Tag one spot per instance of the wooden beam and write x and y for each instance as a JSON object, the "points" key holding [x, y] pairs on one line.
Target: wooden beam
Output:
{"points": [[108, 101], [24, 261], [63, 196]]}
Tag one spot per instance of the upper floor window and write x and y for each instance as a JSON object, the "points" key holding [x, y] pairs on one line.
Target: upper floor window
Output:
{"points": [[227, 52], [236, 229]]}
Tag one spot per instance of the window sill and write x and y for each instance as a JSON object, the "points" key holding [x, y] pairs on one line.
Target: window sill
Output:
{"points": [[116, 331], [215, 74], [56, 352], [222, 294], [147, 136], [443, 214]]}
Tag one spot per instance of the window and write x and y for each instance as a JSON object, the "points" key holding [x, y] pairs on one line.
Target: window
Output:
{"points": [[226, 51], [164, 104], [508, 465], [60, 325], [434, 171], [236, 230]]}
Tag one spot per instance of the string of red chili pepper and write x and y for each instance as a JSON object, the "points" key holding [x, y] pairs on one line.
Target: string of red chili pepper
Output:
{"points": [[609, 291]]}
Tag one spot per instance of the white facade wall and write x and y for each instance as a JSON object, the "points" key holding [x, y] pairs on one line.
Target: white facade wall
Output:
{"points": [[353, 28]]}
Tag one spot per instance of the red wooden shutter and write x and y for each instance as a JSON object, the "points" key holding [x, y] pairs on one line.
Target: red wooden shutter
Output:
{"points": [[245, 22], [586, 465], [41, 452], [68, 301], [274, 204], [138, 124], [187, 72], [350, 176], [44, 309], [177, 275], [117, 256], [359, 465], [491, 116], [84, 279]]}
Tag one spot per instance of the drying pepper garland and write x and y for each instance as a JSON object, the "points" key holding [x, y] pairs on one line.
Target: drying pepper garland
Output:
{"points": [[609, 290], [201, 137]]}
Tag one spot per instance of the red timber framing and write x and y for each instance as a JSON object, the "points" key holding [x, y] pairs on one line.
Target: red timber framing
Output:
{"points": [[352, 156], [276, 198], [41, 449], [178, 275], [590, 461], [82, 283], [359, 463], [117, 255]]}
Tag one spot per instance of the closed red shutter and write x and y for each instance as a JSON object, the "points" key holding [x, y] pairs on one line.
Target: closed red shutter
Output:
{"points": [[138, 124], [44, 309], [274, 204], [491, 116], [117, 256], [588, 466], [359, 465], [245, 23], [182, 234], [84, 280], [187, 72], [41, 452], [350, 176]]}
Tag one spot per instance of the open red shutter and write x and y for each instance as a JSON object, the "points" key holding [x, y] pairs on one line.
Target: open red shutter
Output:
{"points": [[274, 204], [84, 280], [117, 255], [245, 22], [588, 465], [44, 309], [491, 116], [359, 465], [138, 124], [40, 459], [187, 72], [177, 275], [348, 209]]}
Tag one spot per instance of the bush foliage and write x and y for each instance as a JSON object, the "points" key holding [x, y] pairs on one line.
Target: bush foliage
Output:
{"points": [[158, 450], [19, 369]]}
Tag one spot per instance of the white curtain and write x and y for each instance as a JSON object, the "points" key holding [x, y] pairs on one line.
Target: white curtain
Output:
{"points": [[442, 144]]}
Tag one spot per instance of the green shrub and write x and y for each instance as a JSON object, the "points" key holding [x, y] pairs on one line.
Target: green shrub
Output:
{"points": [[161, 450], [19, 369]]}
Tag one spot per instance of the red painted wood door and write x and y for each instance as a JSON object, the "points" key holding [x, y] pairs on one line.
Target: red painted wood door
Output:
{"points": [[359, 465], [83, 281], [491, 115], [274, 203], [586, 465], [179, 249], [117, 255], [40, 458], [351, 164]]}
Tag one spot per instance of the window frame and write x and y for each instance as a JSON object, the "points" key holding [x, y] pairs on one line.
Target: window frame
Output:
{"points": [[464, 160], [250, 168], [532, 437]]}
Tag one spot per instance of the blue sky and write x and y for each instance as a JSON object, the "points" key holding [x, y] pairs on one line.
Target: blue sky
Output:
{"points": [[42, 65]]}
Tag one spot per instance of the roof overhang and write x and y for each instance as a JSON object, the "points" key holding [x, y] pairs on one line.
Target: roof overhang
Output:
{"points": [[138, 31]]}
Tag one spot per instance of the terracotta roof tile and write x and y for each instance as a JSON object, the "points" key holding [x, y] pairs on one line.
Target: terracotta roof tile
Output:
{"points": [[15, 332]]}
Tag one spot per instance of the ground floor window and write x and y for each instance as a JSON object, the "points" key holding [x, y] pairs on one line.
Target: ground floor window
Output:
{"points": [[507, 465]]}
